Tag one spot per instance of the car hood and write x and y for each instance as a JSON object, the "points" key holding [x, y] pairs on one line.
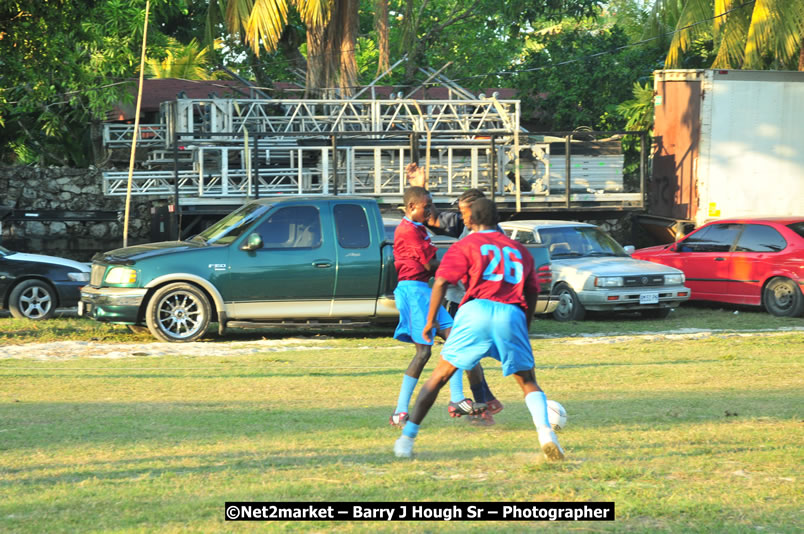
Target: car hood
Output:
{"points": [[609, 266], [148, 250], [41, 258]]}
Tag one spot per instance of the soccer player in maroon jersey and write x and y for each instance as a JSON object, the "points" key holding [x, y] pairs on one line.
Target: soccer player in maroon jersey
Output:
{"points": [[415, 262], [492, 320]]}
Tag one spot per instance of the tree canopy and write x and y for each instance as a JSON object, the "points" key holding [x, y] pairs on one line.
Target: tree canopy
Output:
{"points": [[64, 63]]}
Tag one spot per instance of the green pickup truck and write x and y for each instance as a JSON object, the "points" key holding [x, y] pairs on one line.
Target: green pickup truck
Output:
{"points": [[276, 260]]}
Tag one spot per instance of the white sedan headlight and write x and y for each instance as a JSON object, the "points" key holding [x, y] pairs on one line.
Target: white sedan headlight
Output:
{"points": [[78, 277], [121, 275], [674, 279], [609, 281]]}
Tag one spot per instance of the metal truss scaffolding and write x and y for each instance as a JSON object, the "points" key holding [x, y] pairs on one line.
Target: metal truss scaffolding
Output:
{"points": [[226, 150]]}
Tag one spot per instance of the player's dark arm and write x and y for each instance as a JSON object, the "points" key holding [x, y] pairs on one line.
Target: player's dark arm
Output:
{"points": [[437, 295], [530, 300], [432, 265]]}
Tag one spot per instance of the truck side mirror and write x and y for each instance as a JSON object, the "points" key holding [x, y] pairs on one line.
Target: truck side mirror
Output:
{"points": [[253, 242], [629, 249]]}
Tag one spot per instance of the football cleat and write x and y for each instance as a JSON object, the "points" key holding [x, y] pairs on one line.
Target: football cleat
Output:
{"points": [[494, 406], [403, 448], [399, 419], [465, 407], [549, 442]]}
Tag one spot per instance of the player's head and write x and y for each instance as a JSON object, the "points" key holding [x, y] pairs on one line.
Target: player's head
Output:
{"points": [[465, 202], [418, 204], [484, 214]]}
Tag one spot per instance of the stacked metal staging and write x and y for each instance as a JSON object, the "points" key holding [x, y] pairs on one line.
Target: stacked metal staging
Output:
{"points": [[222, 151]]}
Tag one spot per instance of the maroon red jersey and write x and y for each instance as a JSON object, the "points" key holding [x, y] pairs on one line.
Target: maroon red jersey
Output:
{"points": [[412, 250], [492, 267]]}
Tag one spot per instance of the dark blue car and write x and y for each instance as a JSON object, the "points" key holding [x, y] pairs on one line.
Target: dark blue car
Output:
{"points": [[32, 286]]}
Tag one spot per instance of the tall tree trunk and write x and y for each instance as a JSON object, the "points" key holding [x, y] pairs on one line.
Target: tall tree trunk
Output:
{"points": [[381, 26], [316, 62], [343, 43]]}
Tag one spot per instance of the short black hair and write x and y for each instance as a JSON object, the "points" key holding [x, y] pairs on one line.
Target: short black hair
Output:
{"points": [[470, 195], [414, 193], [484, 212]]}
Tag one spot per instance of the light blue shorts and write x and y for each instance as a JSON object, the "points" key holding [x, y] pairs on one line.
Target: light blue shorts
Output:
{"points": [[413, 302], [488, 328]]}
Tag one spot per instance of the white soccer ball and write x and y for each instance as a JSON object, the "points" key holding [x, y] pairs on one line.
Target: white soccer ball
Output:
{"points": [[557, 415]]}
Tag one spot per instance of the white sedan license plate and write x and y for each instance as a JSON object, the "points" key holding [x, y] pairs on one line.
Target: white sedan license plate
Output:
{"points": [[649, 298]]}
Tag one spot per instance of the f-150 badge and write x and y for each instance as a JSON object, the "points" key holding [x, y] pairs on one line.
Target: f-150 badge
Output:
{"points": [[217, 266]]}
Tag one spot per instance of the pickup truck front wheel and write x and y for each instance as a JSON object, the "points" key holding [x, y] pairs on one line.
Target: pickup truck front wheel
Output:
{"points": [[178, 313], [569, 305]]}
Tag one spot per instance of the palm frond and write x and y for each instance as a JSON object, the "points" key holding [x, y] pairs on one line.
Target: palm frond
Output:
{"points": [[237, 14], [265, 24], [730, 40], [776, 27], [216, 13], [315, 13], [692, 23], [186, 61]]}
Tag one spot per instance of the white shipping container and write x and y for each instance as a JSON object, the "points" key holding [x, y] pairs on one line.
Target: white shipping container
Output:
{"points": [[738, 151]]}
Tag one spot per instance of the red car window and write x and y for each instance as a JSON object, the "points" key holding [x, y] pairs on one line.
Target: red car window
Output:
{"points": [[712, 238], [760, 238]]}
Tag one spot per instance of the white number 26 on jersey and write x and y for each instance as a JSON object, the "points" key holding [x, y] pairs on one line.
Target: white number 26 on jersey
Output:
{"points": [[511, 262]]}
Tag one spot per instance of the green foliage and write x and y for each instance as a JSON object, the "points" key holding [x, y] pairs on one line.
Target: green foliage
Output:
{"points": [[576, 76], [190, 62], [638, 112], [63, 65], [758, 35]]}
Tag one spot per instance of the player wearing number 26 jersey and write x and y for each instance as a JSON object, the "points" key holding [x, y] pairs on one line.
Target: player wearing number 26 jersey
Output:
{"points": [[491, 320], [491, 266]]}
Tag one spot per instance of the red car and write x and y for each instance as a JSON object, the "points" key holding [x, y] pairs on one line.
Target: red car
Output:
{"points": [[758, 262]]}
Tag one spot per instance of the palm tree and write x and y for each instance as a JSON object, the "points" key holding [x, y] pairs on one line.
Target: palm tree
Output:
{"points": [[331, 34], [182, 61], [747, 34]]}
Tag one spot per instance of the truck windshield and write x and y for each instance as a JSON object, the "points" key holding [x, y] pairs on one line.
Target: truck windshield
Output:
{"points": [[569, 241], [233, 225]]}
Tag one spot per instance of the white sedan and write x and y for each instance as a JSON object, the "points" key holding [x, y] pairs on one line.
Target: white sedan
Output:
{"points": [[592, 272]]}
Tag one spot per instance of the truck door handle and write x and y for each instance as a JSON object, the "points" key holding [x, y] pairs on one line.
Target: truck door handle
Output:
{"points": [[322, 264], [720, 259]]}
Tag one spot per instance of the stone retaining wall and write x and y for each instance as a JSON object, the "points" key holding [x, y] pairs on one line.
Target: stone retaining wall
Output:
{"points": [[76, 190]]}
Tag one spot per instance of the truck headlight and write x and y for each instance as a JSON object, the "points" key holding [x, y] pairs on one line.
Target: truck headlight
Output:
{"points": [[674, 279], [121, 275], [608, 281], [78, 277]]}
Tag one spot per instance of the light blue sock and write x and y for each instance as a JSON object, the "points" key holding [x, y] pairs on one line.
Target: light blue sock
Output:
{"points": [[411, 430], [456, 387], [537, 405], [408, 385]]}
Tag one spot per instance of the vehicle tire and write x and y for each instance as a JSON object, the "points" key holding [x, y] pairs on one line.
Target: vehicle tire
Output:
{"points": [[178, 312], [656, 313], [782, 298], [33, 299], [569, 306]]}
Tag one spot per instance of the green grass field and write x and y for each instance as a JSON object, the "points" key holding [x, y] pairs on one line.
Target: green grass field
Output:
{"points": [[684, 435]]}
